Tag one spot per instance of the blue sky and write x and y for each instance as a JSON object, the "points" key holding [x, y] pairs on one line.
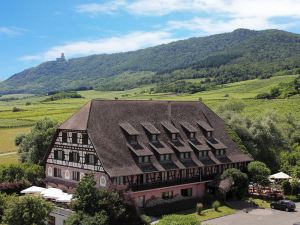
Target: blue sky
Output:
{"points": [[35, 31]]}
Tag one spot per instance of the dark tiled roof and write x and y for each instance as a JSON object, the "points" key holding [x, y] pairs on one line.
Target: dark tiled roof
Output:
{"points": [[188, 127], [199, 145], [161, 148], [215, 143], [180, 146], [150, 128], [140, 150], [205, 125], [129, 129], [170, 127], [102, 119]]}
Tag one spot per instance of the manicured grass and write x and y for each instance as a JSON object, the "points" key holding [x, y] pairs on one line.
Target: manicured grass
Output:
{"points": [[9, 159], [7, 138], [188, 218], [261, 203], [209, 214]]}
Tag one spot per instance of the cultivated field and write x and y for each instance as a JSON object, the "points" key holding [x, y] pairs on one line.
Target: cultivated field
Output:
{"points": [[33, 109]]}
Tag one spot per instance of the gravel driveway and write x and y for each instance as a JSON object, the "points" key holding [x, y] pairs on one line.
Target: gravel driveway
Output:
{"points": [[259, 217]]}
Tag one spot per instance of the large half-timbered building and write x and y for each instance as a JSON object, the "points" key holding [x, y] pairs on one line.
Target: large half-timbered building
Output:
{"points": [[149, 149]]}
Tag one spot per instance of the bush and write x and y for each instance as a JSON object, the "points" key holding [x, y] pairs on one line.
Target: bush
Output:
{"points": [[16, 109], [287, 188], [294, 198], [199, 208], [172, 207], [263, 96], [215, 205], [28, 103]]}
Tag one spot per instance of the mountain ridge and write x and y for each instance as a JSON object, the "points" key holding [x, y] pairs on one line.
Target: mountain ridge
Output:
{"points": [[238, 55]]}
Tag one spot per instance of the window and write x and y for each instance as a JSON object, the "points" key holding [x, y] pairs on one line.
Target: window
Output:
{"points": [[154, 138], [167, 195], [203, 154], [192, 135], [187, 192], [165, 157], [90, 159], [59, 155], [144, 159], [174, 137], [85, 139], [208, 134], [185, 155], [57, 172], [164, 175], [133, 139], [64, 137], [74, 138], [118, 180], [76, 175], [74, 157]]}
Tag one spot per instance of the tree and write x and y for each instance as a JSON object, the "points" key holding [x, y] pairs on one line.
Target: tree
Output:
{"points": [[259, 172], [240, 180], [27, 210], [93, 206], [287, 188], [34, 145]]}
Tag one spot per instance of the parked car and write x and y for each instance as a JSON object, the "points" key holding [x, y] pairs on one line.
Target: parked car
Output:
{"points": [[286, 205]]}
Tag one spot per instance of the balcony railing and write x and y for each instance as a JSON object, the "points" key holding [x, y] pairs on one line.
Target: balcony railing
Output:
{"points": [[167, 183]]}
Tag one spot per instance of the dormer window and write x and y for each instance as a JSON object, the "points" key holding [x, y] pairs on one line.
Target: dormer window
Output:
{"points": [[192, 135], [133, 139], [203, 154], [220, 152], [165, 157], [154, 138], [144, 159], [59, 155], [206, 128], [185, 155], [174, 137]]}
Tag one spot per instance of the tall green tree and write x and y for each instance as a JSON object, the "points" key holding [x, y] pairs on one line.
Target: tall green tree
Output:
{"points": [[259, 172], [33, 147], [94, 206], [27, 210]]}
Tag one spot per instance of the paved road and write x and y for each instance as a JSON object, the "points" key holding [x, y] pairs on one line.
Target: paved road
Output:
{"points": [[259, 217]]}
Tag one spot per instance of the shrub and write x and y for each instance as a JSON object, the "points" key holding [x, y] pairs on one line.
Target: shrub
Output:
{"points": [[16, 109], [28, 103], [294, 198], [287, 188], [199, 208], [263, 96], [216, 205], [172, 207]]}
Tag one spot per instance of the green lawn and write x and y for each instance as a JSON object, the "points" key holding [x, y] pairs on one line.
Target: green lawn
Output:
{"points": [[8, 159], [7, 138], [188, 218]]}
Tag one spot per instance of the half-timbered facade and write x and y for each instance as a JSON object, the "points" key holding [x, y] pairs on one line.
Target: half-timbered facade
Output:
{"points": [[152, 150]]}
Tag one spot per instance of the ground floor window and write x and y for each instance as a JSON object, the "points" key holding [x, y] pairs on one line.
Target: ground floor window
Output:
{"points": [[57, 172], [167, 195], [187, 192], [75, 176]]}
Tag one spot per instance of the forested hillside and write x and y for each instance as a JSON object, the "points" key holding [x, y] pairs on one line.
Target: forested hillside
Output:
{"points": [[223, 58]]}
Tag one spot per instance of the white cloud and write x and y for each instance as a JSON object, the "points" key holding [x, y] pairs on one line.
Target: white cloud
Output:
{"points": [[128, 42], [95, 8], [238, 8], [220, 15], [11, 31], [213, 26]]}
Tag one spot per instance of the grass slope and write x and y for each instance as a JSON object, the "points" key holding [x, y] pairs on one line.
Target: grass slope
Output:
{"points": [[62, 109]]}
